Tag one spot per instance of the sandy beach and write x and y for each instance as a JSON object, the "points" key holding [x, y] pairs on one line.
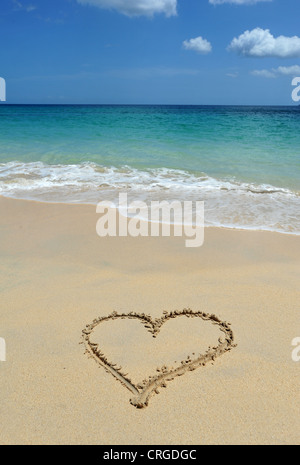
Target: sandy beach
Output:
{"points": [[57, 276]]}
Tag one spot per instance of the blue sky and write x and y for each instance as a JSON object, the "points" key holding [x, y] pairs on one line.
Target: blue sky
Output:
{"points": [[150, 51]]}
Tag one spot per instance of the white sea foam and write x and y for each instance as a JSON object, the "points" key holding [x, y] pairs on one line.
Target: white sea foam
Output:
{"points": [[228, 203]]}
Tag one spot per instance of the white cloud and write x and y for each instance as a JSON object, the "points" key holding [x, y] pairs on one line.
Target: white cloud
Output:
{"points": [[198, 44], [232, 75], [237, 2], [20, 6], [280, 71], [261, 43], [263, 73], [289, 70], [136, 7]]}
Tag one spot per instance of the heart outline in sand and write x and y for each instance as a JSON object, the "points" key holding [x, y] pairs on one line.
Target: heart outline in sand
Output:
{"points": [[143, 391]]}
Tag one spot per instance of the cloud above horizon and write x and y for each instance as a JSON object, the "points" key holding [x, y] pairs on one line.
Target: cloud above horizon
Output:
{"points": [[275, 72], [198, 44], [237, 2], [261, 43], [136, 7], [21, 6]]}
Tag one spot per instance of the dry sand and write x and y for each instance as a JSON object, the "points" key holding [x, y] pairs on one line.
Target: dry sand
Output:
{"points": [[57, 276]]}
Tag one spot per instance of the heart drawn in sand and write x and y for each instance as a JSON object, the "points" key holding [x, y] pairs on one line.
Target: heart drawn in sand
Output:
{"points": [[143, 391]]}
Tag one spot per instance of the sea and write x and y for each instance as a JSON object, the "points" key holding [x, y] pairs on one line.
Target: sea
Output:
{"points": [[242, 161]]}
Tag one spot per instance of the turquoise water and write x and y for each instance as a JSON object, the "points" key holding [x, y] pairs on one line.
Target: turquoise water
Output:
{"points": [[244, 162]]}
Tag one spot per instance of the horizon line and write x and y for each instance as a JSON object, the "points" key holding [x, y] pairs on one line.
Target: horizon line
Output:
{"points": [[154, 104]]}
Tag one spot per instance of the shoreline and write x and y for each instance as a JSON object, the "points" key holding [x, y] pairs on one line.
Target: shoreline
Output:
{"points": [[87, 204], [57, 276]]}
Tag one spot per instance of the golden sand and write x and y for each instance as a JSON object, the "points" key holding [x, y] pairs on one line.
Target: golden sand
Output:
{"points": [[57, 276]]}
